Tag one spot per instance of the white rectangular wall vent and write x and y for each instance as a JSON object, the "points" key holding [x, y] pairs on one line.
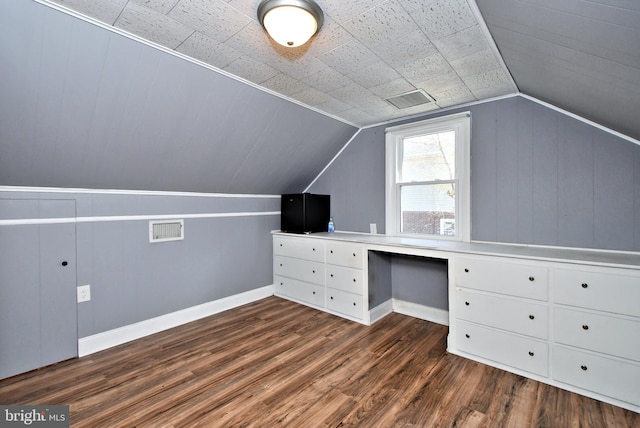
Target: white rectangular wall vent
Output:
{"points": [[161, 231], [410, 99]]}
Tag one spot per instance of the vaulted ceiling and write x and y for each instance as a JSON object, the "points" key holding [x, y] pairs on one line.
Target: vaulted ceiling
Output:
{"points": [[366, 51]]}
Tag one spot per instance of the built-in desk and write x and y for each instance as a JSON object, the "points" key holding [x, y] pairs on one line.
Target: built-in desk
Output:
{"points": [[566, 317]]}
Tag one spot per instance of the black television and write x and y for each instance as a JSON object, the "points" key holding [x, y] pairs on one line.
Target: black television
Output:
{"points": [[304, 213]]}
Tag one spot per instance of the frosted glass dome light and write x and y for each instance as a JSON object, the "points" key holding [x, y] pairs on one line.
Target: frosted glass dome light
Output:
{"points": [[290, 23]]}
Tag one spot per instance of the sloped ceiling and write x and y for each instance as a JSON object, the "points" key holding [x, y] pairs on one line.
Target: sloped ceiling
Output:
{"points": [[580, 55], [366, 51]]}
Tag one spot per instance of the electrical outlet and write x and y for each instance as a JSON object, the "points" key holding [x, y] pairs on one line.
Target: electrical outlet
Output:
{"points": [[373, 228], [84, 293]]}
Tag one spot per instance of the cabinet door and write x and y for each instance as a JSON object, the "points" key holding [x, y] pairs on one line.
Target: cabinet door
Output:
{"points": [[38, 321]]}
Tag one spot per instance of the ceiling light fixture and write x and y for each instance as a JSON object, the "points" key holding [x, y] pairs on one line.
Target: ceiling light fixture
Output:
{"points": [[290, 22]]}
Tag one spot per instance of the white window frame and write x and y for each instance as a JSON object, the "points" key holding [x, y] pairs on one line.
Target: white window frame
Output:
{"points": [[461, 124]]}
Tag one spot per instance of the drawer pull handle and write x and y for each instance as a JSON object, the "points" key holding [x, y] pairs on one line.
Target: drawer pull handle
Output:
{"points": [[531, 354], [584, 285], [584, 368], [314, 292], [354, 303], [466, 269], [585, 327], [331, 297], [354, 254], [281, 245], [331, 251], [280, 264], [354, 280], [531, 279], [313, 249], [466, 303], [467, 336], [531, 317], [331, 275]]}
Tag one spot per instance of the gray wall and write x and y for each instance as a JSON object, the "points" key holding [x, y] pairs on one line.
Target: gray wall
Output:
{"points": [[133, 280], [538, 177], [82, 106]]}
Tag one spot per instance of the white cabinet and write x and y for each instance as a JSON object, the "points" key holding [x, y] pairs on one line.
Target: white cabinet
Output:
{"points": [[322, 273], [596, 331], [501, 314], [569, 318]]}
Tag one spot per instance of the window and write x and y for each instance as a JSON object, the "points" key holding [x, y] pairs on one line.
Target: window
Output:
{"points": [[427, 178]]}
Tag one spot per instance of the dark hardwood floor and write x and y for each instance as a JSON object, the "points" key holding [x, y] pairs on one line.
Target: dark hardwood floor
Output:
{"points": [[276, 363]]}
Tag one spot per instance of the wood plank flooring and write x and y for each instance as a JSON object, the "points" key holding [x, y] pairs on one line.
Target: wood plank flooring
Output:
{"points": [[277, 363]]}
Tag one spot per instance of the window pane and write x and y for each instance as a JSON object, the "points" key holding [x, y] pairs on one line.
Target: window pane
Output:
{"points": [[428, 209], [428, 157]]}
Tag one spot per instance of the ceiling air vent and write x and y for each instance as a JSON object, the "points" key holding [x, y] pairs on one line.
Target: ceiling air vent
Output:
{"points": [[161, 231], [410, 99]]}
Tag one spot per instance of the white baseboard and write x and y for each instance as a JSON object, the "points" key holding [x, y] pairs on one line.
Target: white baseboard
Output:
{"points": [[438, 316], [101, 341], [380, 311]]}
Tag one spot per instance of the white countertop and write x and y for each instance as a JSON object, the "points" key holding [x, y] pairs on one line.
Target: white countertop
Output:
{"points": [[629, 260]]}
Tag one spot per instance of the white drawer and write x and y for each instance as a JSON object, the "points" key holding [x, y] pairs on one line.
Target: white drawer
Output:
{"points": [[516, 351], [518, 316], [346, 279], [345, 303], [597, 332], [299, 269], [606, 376], [343, 254], [515, 279], [299, 290], [299, 247], [598, 290]]}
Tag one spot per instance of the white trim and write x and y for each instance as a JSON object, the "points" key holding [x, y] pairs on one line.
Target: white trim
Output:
{"points": [[427, 313], [331, 161], [97, 219], [132, 192], [380, 311], [101, 341], [581, 119], [149, 43], [436, 113]]}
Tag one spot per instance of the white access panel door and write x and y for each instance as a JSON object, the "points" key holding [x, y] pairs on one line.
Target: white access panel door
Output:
{"points": [[38, 310]]}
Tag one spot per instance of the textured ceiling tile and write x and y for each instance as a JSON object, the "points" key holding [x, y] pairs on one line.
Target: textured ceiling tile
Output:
{"points": [[334, 106], [374, 75], [402, 51], [493, 91], [349, 58], [284, 84], [462, 43], [425, 68], [450, 96], [254, 41], [475, 63], [390, 89], [384, 23], [440, 18], [208, 50], [152, 25], [311, 96], [327, 80], [330, 36], [214, 18], [250, 69], [495, 77], [161, 6], [299, 68], [343, 10], [440, 82], [104, 10], [358, 116], [249, 8]]}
